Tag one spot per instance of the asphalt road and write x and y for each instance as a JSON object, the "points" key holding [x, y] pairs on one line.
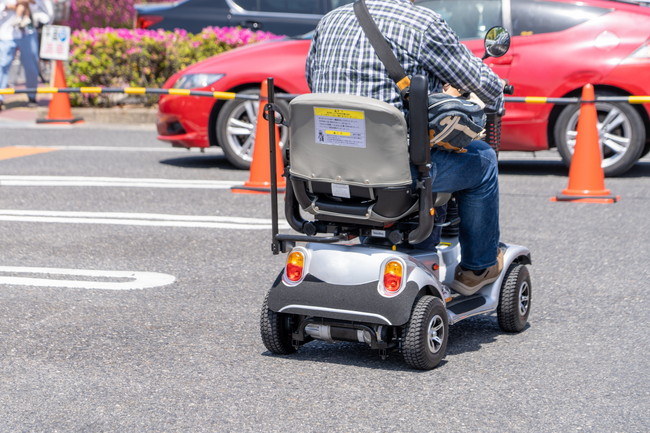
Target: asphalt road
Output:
{"points": [[183, 354]]}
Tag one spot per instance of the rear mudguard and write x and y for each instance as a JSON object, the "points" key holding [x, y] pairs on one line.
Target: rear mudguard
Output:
{"points": [[345, 282]]}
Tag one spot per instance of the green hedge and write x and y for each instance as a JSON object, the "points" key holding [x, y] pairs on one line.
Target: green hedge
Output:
{"points": [[107, 57]]}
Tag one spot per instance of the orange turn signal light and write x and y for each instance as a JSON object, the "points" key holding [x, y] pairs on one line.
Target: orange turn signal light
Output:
{"points": [[393, 272], [295, 265]]}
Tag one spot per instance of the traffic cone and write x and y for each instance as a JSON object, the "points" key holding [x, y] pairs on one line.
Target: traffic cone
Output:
{"points": [[59, 111], [586, 175], [259, 180]]}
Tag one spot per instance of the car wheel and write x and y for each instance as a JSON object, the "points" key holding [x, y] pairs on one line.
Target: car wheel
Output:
{"points": [[235, 128], [276, 331], [514, 299], [425, 335], [620, 128]]}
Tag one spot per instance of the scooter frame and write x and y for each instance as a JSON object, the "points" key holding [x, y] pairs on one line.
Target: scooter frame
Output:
{"points": [[341, 296]]}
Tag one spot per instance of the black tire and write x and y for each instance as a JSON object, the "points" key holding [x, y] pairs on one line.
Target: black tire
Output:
{"points": [[425, 335], [235, 128], [621, 129], [275, 331], [514, 299]]}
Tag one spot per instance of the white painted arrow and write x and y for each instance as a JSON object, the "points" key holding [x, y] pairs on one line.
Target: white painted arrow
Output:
{"points": [[136, 280]]}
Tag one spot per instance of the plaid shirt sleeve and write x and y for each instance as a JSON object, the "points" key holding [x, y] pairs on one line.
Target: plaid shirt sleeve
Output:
{"points": [[452, 62]]}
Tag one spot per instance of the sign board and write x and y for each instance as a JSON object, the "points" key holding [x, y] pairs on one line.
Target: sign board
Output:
{"points": [[55, 43]]}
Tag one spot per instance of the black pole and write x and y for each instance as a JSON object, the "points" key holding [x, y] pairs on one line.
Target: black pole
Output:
{"points": [[275, 243]]}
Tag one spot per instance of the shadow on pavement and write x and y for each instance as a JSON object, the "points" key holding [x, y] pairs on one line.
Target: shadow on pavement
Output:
{"points": [[533, 168], [467, 336], [557, 168], [201, 161]]}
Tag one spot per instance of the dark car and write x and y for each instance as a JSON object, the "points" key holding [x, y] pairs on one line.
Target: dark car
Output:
{"points": [[282, 17]]}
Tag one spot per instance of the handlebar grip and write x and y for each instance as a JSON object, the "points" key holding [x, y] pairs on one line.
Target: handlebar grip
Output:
{"points": [[508, 89]]}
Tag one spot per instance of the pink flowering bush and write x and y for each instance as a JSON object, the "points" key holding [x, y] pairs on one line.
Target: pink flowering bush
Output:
{"points": [[107, 57], [85, 14]]}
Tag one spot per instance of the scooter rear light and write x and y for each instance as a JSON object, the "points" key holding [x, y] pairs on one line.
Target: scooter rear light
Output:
{"points": [[295, 265], [393, 272]]}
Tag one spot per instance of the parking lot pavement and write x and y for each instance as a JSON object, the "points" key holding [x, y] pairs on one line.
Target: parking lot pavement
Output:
{"points": [[180, 350]]}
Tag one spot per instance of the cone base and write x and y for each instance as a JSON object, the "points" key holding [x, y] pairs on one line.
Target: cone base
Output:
{"points": [[61, 121], [587, 198], [251, 188]]}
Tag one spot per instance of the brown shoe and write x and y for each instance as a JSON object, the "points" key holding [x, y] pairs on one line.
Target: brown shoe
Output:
{"points": [[467, 282]]}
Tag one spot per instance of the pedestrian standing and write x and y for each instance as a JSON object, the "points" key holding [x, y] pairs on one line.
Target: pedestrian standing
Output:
{"points": [[23, 39]]}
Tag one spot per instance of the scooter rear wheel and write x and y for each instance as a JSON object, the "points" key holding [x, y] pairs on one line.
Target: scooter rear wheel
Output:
{"points": [[275, 331], [425, 335], [514, 300]]}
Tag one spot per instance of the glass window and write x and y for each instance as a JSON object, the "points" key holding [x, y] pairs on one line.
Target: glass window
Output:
{"points": [[291, 6], [249, 5], [333, 4], [534, 16], [470, 19]]}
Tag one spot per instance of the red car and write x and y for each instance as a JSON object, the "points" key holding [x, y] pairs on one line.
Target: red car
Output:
{"points": [[557, 47]]}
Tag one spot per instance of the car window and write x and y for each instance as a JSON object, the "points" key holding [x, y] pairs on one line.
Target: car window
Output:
{"points": [[470, 19], [533, 17], [291, 6], [333, 4], [249, 5]]}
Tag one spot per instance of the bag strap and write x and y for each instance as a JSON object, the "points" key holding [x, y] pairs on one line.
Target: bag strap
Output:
{"points": [[382, 48]]}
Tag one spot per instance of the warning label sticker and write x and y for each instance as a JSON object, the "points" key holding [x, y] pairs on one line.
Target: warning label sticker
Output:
{"points": [[339, 127]]}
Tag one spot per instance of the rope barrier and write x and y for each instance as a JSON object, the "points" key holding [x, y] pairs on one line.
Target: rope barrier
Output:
{"points": [[230, 95]]}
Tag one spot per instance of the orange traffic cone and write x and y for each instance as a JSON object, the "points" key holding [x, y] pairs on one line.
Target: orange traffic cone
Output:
{"points": [[259, 180], [586, 175], [59, 109]]}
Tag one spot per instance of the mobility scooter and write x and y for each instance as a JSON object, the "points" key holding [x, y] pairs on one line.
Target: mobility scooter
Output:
{"points": [[381, 290]]}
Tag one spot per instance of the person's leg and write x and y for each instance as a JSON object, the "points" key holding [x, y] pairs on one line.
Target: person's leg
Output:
{"points": [[473, 177], [7, 53], [28, 46]]}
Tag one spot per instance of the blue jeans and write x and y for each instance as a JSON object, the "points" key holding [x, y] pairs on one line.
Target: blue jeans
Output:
{"points": [[473, 178], [28, 46]]}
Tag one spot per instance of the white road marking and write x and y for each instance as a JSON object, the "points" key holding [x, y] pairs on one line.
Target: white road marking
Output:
{"points": [[137, 280], [138, 219], [114, 148], [120, 182]]}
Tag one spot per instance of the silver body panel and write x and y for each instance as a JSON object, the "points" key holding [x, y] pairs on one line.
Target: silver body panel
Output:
{"points": [[337, 275]]}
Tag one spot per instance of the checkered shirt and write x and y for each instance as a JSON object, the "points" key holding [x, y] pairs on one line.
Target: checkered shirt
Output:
{"points": [[341, 59]]}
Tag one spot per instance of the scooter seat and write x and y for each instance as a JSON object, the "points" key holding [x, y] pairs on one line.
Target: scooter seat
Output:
{"points": [[350, 159]]}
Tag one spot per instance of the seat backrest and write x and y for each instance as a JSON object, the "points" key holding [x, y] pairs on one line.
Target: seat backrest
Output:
{"points": [[348, 140]]}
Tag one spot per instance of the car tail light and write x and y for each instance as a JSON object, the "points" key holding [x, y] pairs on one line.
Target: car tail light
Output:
{"points": [[295, 266], [393, 275], [146, 21]]}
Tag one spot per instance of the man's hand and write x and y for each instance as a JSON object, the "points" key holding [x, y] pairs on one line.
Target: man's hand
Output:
{"points": [[449, 90]]}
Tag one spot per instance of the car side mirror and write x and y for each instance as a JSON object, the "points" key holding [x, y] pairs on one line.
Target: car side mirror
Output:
{"points": [[497, 42]]}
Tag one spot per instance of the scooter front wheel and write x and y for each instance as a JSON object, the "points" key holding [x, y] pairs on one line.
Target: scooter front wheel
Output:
{"points": [[515, 298], [425, 335], [276, 331]]}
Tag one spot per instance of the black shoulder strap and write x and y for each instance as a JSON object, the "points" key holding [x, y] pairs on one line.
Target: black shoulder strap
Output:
{"points": [[381, 46]]}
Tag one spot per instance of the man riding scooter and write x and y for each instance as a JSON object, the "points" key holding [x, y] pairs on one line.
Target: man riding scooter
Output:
{"points": [[342, 60]]}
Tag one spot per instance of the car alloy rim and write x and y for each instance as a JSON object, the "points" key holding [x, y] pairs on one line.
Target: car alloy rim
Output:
{"points": [[240, 129], [524, 298], [435, 333], [614, 132]]}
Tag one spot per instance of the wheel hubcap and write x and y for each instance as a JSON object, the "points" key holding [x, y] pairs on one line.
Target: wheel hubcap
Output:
{"points": [[524, 298], [435, 333], [614, 132], [240, 129]]}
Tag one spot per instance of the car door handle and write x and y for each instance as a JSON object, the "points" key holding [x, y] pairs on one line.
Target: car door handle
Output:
{"points": [[250, 24], [503, 61]]}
